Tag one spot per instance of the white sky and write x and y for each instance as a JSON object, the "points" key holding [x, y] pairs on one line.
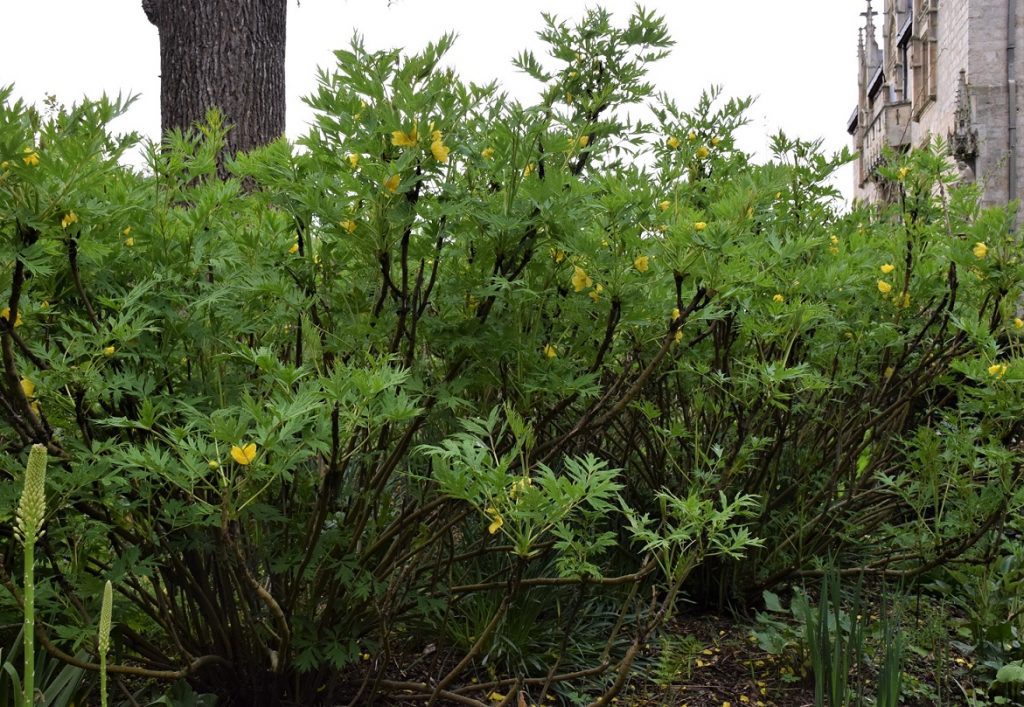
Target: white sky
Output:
{"points": [[798, 57]]}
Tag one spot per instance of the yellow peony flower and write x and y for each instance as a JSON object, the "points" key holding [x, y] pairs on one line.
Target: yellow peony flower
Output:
{"points": [[583, 141], [557, 254], [595, 294], [833, 239], [496, 520], [528, 170], [980, 250], [109, 351], [664, 205], [244, 456], [487, 153], [699, 226], [127, 230], [69, 218], [349, 225], [676, 314], [392, 182], [887, 268], [400, 139], [692, 135], [1018, 323], [904, 171], [672, 142], [679, 336], [884, 287], [294, 249], [439, 150], [702, 152], [889, 371], [777, 297], [353, 159], [31, 157], [5, 313], [129, 242], [641, 263], [715, 140], [550, 351], [28, 387], [998, 370], [580, 279]]}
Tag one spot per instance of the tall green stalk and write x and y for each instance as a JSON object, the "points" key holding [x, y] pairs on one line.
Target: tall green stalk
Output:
{"points": [[103, 640], [31, 512]]}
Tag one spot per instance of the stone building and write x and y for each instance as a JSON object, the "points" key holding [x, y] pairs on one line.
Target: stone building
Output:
{"points": [[948, 68]]}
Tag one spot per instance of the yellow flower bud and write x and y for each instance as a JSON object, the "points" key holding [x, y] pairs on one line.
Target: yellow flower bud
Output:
{"points": [[703, 152], [980, 250], [550, 351], [699, 226], [672, 142], [664, 205], [487, 153], [353, 159], [109, 351]]}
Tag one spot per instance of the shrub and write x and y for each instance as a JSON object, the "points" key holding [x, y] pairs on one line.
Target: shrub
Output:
{"points": [[439, 389]]}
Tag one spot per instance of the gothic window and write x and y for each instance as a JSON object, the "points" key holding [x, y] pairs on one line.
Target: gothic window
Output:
{"points": [[925, 53]]}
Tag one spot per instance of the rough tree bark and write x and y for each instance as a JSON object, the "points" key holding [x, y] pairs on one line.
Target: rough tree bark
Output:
{"points": [[223, 53]]}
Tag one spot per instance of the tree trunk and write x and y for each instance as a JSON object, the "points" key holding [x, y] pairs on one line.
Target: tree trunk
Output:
{"points": [[223, 53]]}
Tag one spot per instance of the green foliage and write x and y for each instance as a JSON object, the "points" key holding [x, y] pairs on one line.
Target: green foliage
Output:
{"points": [[493, 380]]}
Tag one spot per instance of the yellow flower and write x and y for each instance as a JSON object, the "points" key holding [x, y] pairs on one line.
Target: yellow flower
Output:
{"points": [[550, 351], [353, 159], [884, 287], [887, 268], [213, 464], [349, 225], [400, 139], [487, 153], [129, 242], [528, 170], [69, 218], [294, 249], [692, 135], [904, 171], [496, 696], [777, 297], [702, 152], [699, 226], [109, 351], [750, 211], [244, 455], [904, 300], [496, 520], [583, 141], [557, 254], [715, 140], [997, 370], [439, 150], [672, 142], [676, 314], [980, 250], [833, 239], [391, 183], [641, 263], [595, 294], [580, 279], [889, 371], [664, 205], [28, 387], [5, 313], [833, 249], [1018, 323], [31, 157], [679, 336]]}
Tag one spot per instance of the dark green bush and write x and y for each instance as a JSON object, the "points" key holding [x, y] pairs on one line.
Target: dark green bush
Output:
{"points": [[439, 391]]}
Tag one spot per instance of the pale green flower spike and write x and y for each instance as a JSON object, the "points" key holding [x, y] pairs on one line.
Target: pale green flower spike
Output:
{"points": [[103, 640], [32, 508]]}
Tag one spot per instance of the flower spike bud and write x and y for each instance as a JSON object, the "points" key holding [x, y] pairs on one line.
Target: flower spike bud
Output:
{"points": [[32, 508], [103, 640]]}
